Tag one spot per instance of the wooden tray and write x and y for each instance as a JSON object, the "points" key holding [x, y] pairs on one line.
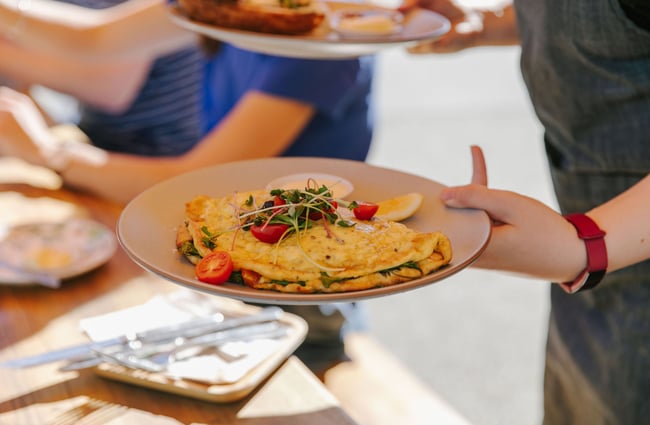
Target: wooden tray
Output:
{"points": [[221, 393]]}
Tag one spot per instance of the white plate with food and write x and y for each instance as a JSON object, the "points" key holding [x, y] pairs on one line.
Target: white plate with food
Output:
{"points": [[58, 250], [149, 227], [346, 30]]}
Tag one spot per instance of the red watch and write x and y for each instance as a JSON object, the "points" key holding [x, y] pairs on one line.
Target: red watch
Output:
{"points": [[594, 239]]}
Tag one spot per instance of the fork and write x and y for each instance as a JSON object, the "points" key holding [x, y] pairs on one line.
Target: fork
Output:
{"points": [[156, 358], [92, 412]]}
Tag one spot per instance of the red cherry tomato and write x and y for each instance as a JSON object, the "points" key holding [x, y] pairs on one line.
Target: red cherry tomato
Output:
{"points": [[214, 268], [317, 215], [365, 210], [269, 233], [277, 201]]}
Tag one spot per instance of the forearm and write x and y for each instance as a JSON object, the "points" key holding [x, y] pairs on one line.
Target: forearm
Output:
{"points": [[533, 239], [111, 87], [137, 28], [117, 177], [625, 220], [278, 122]]}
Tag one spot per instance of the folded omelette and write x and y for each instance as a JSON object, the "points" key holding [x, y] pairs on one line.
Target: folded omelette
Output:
{"points": [[321, 255]]}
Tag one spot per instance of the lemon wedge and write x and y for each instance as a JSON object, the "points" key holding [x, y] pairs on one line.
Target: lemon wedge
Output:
{"points": [[400, 207]]}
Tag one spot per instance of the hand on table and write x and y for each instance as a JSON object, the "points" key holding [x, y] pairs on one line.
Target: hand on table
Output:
{"points": [[528, 237], [24, 132]]}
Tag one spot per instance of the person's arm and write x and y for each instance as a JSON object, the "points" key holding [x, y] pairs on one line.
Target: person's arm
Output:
{"points": [[531, 238], [107, 86], [484, 27], [625, 219], [134, 29], [259, 126]]}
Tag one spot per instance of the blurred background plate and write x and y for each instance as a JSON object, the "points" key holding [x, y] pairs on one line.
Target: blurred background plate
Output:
{"points": [[324, 43], [61, 249]]}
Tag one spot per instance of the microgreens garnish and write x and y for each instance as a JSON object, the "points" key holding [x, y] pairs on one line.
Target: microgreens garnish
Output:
{"points": [[298, 209], [290, 211]]}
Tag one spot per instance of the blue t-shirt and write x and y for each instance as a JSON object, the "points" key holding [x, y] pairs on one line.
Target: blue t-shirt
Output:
{"points": [[339, 90]]}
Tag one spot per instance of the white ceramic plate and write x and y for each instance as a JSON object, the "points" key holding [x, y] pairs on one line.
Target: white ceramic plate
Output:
{"points": [[324, 42], [61, 249], [147, 227]]}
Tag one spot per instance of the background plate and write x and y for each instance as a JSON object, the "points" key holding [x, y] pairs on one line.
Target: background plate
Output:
{"points": [[323, 43], [88, 243], [147, 226]]}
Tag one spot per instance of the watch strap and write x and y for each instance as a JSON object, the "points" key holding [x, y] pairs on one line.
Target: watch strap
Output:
{"points": [[594, 239]]}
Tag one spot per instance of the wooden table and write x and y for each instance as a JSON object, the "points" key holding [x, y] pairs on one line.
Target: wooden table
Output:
{"points": [[34, 319]]}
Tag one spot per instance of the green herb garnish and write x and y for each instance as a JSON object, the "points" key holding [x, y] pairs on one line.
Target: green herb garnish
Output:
{"points": [[209, 239], [298, 209], [407, 265]]}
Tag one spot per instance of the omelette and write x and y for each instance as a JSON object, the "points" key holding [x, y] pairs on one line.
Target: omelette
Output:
{"points": [[334, 253]]}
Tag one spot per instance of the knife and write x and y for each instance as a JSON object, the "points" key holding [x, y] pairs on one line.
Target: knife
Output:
{"points": [[157, 358], [191, 328]]}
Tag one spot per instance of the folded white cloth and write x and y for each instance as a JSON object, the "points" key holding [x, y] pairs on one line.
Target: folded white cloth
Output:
{"points": [[224, 364]]}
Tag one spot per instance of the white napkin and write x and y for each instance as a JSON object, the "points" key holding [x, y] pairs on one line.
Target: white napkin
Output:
{"points": [[156, 312], [216, 369], [229, 363]]}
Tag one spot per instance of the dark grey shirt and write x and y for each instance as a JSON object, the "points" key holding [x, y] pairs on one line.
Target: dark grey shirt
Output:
{"points": [[638, 11], [586, 64]]}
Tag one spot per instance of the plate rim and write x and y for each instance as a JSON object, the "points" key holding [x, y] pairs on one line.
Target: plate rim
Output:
{"points": [[310, 45], [246, 294]]}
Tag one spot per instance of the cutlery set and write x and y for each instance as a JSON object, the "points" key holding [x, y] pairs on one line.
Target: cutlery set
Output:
{"points": [[153, 350], [156, 357]]}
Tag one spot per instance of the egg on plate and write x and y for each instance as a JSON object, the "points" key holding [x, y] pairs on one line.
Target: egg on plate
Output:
{"points": [[338, 255]]}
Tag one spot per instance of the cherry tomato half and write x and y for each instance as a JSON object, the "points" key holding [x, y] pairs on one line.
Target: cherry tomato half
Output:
{"points": [[365, 210], [214, 268], [269, 233]]}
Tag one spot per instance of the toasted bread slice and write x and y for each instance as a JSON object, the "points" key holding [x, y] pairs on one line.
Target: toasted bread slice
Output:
{"points": [[254, 16]]}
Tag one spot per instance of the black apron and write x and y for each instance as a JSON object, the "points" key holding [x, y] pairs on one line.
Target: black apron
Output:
{"points": [[587, 69]]}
